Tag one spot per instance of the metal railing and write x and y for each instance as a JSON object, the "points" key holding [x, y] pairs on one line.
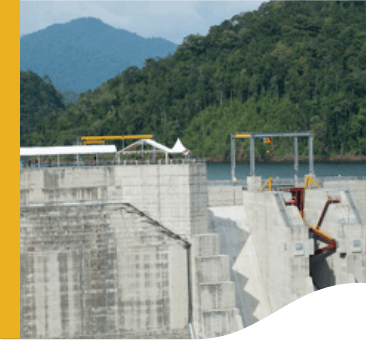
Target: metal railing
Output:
{"points": [[91, 163], [287, 182]]}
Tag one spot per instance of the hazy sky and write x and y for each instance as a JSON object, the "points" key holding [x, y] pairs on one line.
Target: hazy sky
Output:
{"points": [[172, 20]]}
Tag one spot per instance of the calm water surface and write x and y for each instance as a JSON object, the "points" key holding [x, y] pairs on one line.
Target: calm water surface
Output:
{"points": [[222, 171]]}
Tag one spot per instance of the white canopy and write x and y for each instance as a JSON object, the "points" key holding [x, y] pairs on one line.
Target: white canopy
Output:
{"points": [[67, 150], [177, 148]]}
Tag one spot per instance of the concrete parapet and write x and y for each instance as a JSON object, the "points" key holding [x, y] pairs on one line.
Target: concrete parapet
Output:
{"points": [[253, 183], [176, 195], [224, 195]]}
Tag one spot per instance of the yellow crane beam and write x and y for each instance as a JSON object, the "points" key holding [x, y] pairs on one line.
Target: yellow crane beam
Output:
{"points": [[95, 138]]}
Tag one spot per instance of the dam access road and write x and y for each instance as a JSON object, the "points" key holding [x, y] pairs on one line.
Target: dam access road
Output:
{"points": [[152, 251]]}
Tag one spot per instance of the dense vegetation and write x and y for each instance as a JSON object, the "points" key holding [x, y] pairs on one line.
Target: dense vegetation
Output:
{"points": [[289, 66], [39, 103], [85, 52], [69, 97]]}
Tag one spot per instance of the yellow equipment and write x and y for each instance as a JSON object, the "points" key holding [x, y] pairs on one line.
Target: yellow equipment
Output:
{"points": [[102, 139], [270, 181], [88, 142], [266, 140], [308, 183]]}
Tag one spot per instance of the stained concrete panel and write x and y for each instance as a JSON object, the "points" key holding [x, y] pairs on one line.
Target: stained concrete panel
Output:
{"points": [[122, 276], [227, 222]]}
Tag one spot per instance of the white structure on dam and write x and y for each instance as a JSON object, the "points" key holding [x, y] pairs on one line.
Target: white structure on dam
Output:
{"points": [[151, 251]]}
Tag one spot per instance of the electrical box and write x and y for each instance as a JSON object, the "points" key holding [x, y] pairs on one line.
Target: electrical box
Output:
{"points": [[356, 246], [298, 249]]}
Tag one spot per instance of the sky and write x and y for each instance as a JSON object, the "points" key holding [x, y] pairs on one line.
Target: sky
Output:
{"points": [[171, 20]]}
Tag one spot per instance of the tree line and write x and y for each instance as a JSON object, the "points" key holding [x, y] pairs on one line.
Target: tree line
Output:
{"points": [[288, 66]]}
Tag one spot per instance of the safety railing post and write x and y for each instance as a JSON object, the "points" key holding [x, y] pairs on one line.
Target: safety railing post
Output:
{"points": [[310, 147], [233, 157], [252, 156], [296, 163]]}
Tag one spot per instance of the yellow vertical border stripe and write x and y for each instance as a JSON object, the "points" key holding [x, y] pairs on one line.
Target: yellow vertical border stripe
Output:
{"points": [[10, 234]]}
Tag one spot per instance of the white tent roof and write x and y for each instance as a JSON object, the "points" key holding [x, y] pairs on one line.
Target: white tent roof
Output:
{"points": [[67, 150], [177, 148]]}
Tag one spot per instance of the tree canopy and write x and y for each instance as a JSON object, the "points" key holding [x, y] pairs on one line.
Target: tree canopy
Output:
{"points": [[289, 66]]}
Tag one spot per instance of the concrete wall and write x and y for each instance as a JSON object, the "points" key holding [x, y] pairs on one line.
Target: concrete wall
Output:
{"points": [[231, 224], [224, 195], [217, 314], [175, 195], [275, 231], [357, 190], [100, 271], [348, 263]]}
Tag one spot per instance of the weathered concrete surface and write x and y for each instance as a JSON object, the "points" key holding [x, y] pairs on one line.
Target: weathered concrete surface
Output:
{"points": [[87, 261], [253, 183], [230, 223], [175, 195], [224, 195], [100, 271], [217, 314], [357, 190], [276, 231]]}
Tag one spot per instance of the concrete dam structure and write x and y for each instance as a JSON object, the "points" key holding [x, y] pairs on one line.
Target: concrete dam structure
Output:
{"points": [[152, 251]]}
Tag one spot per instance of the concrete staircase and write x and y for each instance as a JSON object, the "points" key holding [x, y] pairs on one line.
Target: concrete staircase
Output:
{"points": [[217, 314]]}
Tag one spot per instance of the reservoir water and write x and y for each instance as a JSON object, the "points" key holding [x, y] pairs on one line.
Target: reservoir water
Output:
{"points": [[222, 171]]}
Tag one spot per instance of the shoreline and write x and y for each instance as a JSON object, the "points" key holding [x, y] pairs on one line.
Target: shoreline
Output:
{"points": [[289, 159]]}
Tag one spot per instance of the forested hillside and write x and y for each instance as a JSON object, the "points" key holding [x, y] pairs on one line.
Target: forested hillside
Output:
{"points": [[38, 101], [290, 66], [85, 52]]}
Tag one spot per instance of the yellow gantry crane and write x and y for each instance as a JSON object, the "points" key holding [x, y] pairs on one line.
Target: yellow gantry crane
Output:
{"points": [[88, 140]]}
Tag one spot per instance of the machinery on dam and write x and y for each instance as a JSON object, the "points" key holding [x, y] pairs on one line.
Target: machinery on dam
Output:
{"points": [[267, 137], [298, 197]]}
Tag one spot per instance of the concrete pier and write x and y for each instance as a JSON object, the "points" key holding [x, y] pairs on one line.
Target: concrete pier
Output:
{"points": [[143, 251]]}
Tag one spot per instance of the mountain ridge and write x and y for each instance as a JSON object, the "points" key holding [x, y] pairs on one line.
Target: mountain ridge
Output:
{"points": [[83, 53]]}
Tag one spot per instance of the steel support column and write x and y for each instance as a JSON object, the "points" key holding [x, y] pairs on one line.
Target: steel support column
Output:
{"points": [[296, 163], [252, 155], [233, 157], [153, 149], [310, 150]]}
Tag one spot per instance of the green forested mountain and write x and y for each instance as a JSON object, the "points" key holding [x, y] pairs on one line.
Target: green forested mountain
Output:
{"points": [[83, 53], [68, 96], [289, 66], [38, 101]]}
